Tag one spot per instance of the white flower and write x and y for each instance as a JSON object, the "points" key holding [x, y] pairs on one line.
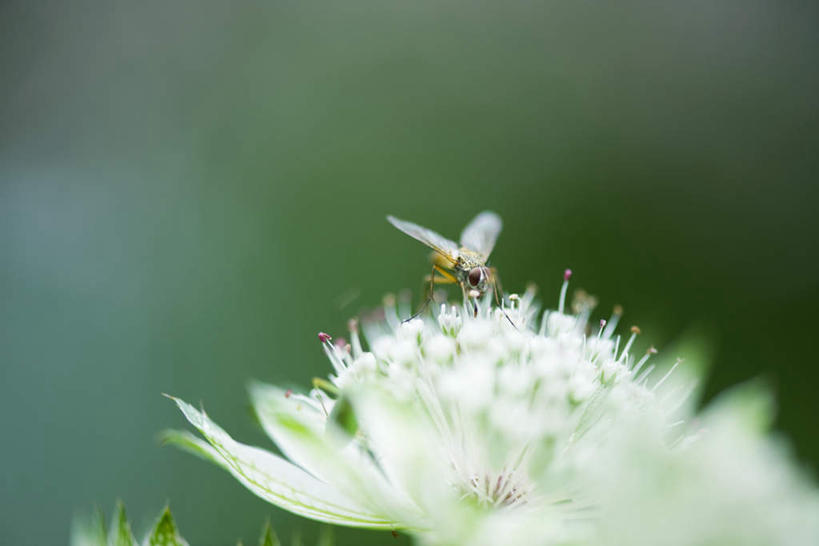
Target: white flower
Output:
{"points": [[504, 429]]}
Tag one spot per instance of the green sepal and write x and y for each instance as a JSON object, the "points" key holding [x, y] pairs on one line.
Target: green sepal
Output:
{"points": [[165, 533], [268, 537], [120, 533]]}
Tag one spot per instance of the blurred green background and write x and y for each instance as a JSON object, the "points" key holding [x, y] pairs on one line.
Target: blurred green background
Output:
{"points": [[190, 190]]}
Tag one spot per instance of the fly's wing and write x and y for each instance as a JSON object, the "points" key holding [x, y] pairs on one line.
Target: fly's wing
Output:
{"points": [[440, 244], [481, 233]]}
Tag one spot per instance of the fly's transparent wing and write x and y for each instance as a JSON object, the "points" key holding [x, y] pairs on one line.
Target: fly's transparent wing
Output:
{"points": [[481, 233], [443, 246]]}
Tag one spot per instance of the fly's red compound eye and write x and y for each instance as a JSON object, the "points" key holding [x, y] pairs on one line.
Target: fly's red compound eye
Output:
{"points": [[475, 276]]}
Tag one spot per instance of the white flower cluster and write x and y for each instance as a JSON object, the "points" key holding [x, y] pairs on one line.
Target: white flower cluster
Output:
{"points": [[512, 427]]}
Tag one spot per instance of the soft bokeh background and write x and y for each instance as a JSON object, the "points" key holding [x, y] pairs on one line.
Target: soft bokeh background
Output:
{"points": [[190, 190]]}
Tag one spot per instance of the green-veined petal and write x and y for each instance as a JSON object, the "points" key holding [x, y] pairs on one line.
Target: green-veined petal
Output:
{"points": [[275, 479]]}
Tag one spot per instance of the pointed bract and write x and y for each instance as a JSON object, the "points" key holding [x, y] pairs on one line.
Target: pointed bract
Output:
{"points": [[268, 537], [120, 533], [164, 532]]}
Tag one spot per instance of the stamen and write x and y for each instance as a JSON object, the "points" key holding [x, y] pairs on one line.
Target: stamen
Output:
{"points": [[615, 318], [649, 352], [667, 375], [565, 288], [355, 340], [635, 331], [332, 352], [390, 312], [543, 323], [583, 303], [324, 385], [514, 301], [644, 376]]}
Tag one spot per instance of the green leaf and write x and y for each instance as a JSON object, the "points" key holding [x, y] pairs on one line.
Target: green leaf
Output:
{"points": [[268, 537], [165, 533], [120, 533]]}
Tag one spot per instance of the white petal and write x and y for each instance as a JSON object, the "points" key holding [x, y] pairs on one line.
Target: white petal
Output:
{"points": [[278, 481], [327, 455], [403, 441]]}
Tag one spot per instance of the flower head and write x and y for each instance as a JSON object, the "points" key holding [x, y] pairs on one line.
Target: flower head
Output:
{"points": [[505, 426]]}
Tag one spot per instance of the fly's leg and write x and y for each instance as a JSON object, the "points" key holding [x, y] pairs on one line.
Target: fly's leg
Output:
{"points": [[439, 275], [496, 288]]}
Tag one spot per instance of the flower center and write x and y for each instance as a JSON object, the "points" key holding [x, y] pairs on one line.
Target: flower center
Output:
{"points": [[498, 490]]}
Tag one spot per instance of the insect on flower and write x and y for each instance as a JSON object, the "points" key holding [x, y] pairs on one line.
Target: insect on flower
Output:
{"points": [[464, 264]]}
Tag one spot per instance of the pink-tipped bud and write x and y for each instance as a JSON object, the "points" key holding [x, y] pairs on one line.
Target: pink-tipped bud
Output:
{"points": [[340, 342], [287, 393], [324, 338], [602, 323], [567, 274]]}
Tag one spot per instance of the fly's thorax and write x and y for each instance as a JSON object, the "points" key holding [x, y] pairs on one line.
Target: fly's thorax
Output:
{"points": [[469, 259]]}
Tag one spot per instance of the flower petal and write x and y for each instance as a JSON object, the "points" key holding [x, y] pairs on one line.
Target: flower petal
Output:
{"points": [[401, 437], [329, 454], [292, 425], [273, 478]]}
